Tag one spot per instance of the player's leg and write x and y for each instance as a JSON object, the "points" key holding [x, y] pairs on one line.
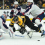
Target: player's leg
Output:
{"points": [[6, 29], [30, 24], [38, 21], [1, 34]]}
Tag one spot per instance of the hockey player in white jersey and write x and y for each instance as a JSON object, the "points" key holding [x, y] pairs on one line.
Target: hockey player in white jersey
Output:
{"points": [[36, 12], [3, 26], [16, 10]]}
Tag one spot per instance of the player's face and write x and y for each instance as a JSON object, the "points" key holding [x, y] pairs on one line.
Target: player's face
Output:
{"points": [[16, 5], [29, 3], [16, 21]]}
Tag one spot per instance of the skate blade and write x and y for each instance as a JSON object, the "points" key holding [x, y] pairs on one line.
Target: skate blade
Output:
{"points": [[42, 35]]}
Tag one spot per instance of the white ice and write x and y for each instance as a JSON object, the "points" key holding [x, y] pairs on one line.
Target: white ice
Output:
{"points": [[23, 40]]}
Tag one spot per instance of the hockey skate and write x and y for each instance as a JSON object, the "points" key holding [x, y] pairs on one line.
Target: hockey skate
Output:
{"points": [[43, 33], [30, 33]]}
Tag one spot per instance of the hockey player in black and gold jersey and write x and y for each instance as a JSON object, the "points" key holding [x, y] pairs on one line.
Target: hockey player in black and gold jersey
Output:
{"points": [[22, 21]]}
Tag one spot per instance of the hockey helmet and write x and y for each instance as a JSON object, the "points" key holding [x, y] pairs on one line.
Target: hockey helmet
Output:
{"points": [[29, 0], [15, 2], [15, 18]]}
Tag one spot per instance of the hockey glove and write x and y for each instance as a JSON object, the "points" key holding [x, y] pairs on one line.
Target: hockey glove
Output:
{"points": [[22, 30], [13, 29]]}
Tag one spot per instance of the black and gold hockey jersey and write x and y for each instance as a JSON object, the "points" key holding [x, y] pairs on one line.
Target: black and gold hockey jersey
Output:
{"points": [[24, 20], [21, 21]]}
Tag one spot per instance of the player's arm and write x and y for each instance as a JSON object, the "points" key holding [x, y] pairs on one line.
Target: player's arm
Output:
{"points": [[12, 24], [3, 26], [22, 30], [27, 10]]}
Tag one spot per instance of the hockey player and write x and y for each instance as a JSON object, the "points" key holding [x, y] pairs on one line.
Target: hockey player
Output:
{"points": [[16, 10], [22, 21], [36, 12], [3, 26]]}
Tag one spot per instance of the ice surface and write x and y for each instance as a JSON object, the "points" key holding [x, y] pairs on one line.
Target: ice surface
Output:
{"points": [[23, 40]]}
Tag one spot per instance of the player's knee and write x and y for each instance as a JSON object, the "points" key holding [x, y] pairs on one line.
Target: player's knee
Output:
{"points": [[37, 21], [40, 25]]}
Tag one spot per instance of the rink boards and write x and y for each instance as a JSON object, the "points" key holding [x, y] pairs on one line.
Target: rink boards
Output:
{"points": [[7, 12], [30, 19]]}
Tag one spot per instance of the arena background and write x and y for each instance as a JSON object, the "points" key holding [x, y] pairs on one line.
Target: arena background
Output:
{"points": [[6, 6]]}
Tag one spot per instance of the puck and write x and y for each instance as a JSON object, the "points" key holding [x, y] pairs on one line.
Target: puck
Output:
{"points": [[38, 40]]}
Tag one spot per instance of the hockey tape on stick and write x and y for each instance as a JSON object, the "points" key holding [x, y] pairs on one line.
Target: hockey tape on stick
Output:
{"points": [[29, 34], [19, 36]]}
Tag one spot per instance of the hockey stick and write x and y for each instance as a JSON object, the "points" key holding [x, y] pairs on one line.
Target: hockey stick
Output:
{"points": [[29, 33], [19, 36], [26, 31]]}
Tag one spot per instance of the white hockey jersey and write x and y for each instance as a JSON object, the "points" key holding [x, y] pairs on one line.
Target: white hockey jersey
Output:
{"points": [[3, 26], [34, 10]]}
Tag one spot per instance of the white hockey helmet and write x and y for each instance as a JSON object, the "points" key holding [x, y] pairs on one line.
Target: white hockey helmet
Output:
{"points": [[29, 0], [15, 2]]}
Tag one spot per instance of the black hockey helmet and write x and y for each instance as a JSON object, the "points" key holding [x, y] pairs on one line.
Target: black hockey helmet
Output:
{"points": [[15, 18]]}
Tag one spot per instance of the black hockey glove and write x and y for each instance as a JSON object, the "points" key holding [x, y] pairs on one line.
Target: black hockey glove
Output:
{"points": [[38, 30], [22, 30], [11, 15], [14, 29]]}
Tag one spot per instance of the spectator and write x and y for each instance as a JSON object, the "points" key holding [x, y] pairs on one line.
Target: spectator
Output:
{"points": [[11, 1], [11, 6], [43, 1], [1, 2], [40, 4], [1, 7], [43, 5], [6, 7], [35, 1], [24, 2], [20, 2], [4, 1], [7, 2]]}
